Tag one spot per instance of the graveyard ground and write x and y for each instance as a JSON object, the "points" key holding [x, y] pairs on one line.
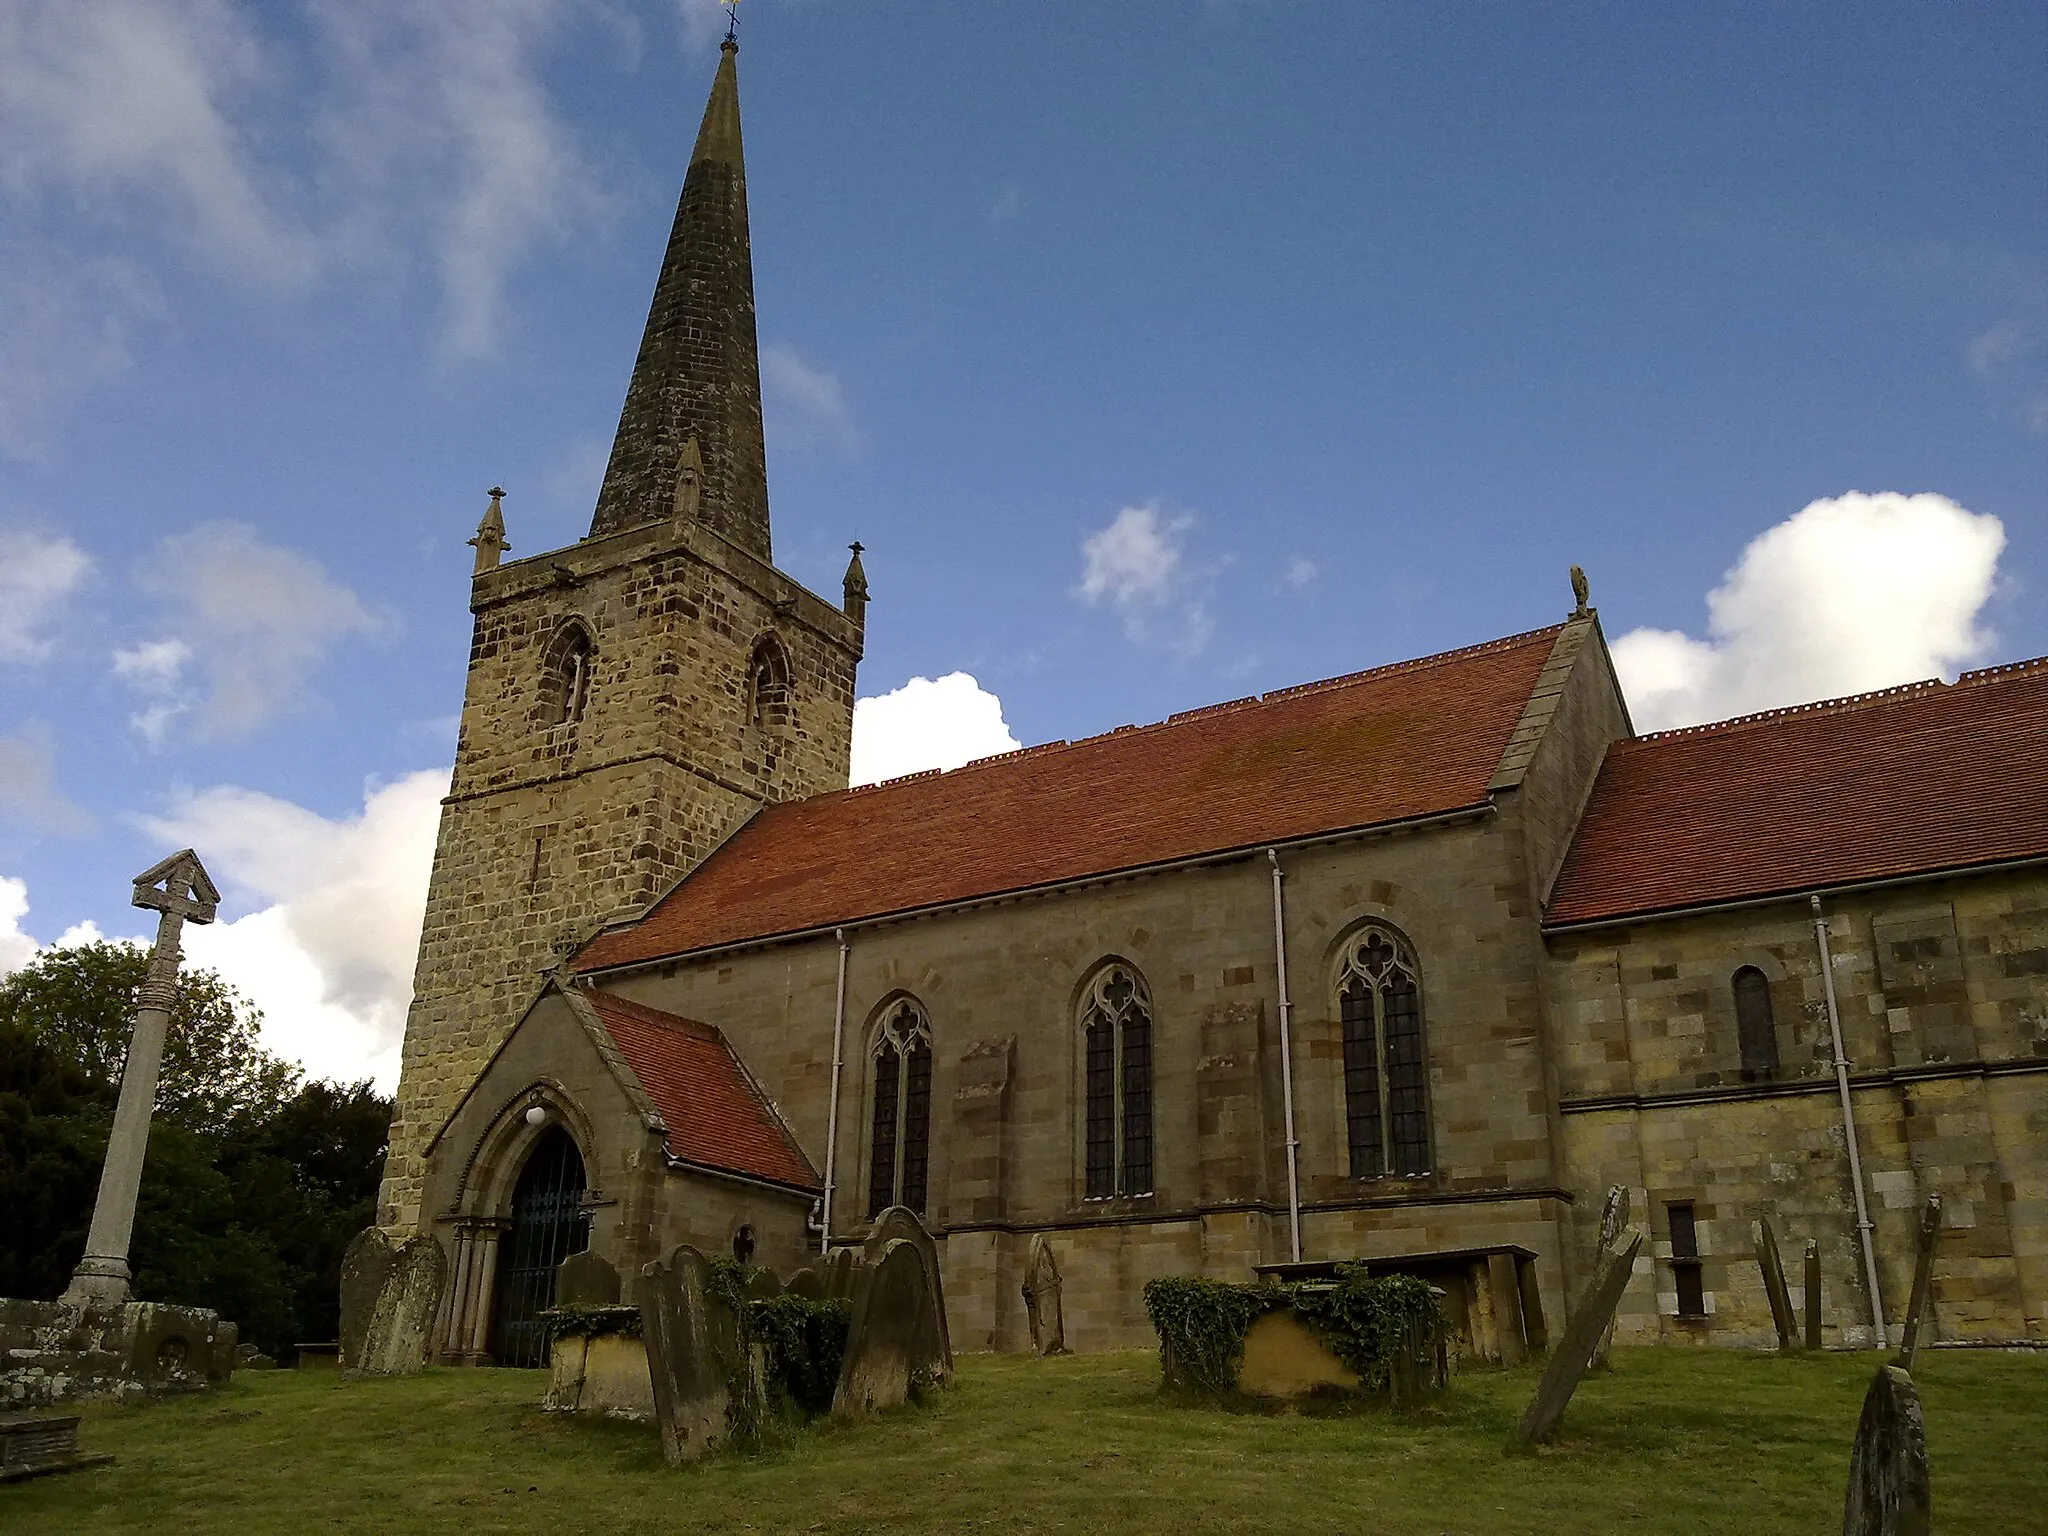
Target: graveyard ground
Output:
{"points": [[1672, 1440]]}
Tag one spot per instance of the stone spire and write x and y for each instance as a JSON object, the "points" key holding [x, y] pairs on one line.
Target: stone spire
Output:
{"points": [[855, 586], [698, 377], [489, 543]]}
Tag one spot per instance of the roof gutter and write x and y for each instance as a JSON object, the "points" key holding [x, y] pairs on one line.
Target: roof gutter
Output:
{"points": [[1477, 811], [808, 1192], [1802, 894]]}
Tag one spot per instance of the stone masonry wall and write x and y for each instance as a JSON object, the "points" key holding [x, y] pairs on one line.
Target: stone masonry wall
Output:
{"points": [[551, 828], [1943, 993]]}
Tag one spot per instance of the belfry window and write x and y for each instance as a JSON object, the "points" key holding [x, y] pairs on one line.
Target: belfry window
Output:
{"points": [[768, 686], [1754, 1026], [566, 686], [1116, 1035], [899, 1142], [1386, 1090]]}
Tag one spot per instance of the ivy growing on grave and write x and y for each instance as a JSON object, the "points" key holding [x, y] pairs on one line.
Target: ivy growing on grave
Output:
{"points": [[1369, 1322]]}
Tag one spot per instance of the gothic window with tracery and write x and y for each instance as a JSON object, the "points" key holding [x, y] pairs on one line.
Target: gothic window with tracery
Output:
{"points": [[768, 684], [899, 1141], [1755, 1028], [567, 683], [1386, 1094], [1116, 1035]]}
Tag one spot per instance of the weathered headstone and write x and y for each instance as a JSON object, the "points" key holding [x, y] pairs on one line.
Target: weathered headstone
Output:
{"points": [[1812, 1294], [390, 1293], [763, 1285], [842, 1275], [1923, 1281], [1888, 1492], [35, 1444], [808, 1282], [894, 1340], [1613, 1218], [900, 1223], [586, 1279], [1042, 1300], [692, 1377], [1581, 1337], [1774, 1285]]}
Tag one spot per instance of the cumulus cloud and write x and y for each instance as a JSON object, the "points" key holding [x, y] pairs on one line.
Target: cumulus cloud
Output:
{"points": [[16, 947], [930, 722], [1137, 567], [1849, 594], [37, 573], [329, 954], [248, 621], [803, 405]]}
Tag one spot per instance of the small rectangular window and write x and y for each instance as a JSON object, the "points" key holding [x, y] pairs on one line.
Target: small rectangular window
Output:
{"points": [[1685, 1260]]}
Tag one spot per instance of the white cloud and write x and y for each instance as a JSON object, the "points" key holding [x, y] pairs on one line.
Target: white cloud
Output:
{"points": [[1299, 573], [703, 23], [250, 619], [37, 573], [929, 722], [16, 947], [66, 323], [1852, 593], [804, 405], [1137, 566], [329, 956], [28, 793]]}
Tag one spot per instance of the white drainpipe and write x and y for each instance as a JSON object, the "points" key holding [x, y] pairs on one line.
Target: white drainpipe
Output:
{"points": [[832, 1113], [1864, 1229], [1286, 1060]]}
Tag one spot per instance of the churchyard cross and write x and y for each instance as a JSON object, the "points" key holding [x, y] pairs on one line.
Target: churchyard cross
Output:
{"points": [[179, 891]]}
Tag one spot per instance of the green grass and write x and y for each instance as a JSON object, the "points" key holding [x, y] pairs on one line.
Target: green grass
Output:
{"points": [[1671, 1440]]}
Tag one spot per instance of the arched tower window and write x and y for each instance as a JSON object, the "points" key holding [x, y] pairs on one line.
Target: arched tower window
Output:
{"points": [[1116, 1036], [768, 685], [1386, 1090], [900, 1132], [548, 1224], [1756, 1029], [565, 684]]}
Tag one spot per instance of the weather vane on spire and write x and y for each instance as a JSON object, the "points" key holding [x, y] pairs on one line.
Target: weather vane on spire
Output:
{"points": [[732, 23]]}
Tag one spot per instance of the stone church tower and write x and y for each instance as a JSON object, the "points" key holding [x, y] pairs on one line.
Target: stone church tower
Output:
{"points": [[634, 697]]}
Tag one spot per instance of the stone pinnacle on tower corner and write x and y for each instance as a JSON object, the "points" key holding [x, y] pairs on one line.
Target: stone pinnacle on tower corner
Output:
{"points": [[698, 375]]}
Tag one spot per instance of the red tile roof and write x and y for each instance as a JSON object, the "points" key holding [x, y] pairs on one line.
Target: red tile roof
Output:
{"points": [[716, 1115], [1388, 745], [1912, 780]]}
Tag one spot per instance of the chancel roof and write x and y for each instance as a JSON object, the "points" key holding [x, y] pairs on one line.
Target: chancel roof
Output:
{"points": [[716, 1114], [1389, 745], [1913, 780]]}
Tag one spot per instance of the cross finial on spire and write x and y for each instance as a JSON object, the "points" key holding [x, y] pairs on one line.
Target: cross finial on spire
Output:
{"points": [[732, 25]]}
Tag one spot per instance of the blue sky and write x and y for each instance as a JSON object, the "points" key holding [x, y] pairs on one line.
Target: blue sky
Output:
{"points": [[1160, 353]]}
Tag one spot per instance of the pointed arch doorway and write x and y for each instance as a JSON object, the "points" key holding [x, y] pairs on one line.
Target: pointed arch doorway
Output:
{"points": [[548, 1224]]}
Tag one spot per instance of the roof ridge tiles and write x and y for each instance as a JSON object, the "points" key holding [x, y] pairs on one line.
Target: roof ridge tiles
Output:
{"points": [[1412, 664], [2004, 669], [1846, 704]]}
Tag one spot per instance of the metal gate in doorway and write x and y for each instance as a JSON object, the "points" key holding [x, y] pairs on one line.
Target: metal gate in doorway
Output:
{"points": [[548, 1224]]}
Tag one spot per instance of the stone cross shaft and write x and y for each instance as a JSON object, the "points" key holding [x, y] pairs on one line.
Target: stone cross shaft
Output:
{"points": [[177, 889]]}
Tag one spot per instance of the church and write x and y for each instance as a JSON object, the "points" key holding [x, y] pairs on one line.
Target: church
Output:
{"points": [[1414, 965]]}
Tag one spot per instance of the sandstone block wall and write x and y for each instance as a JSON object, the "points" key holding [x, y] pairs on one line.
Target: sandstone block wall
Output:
{"points": [[552, 827], [1943, 992]]}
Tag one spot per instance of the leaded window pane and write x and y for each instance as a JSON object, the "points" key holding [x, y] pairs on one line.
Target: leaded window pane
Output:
{"points": [[1407, 1093], [1101, 1040], [1137, 1140], [1361, 1081], [882, 1159], [917, 1124], [1386, 1066]]}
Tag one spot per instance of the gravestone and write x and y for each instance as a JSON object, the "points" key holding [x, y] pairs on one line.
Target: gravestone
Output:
{"points": [[763, 1285], [1581, 1337], [1923, 1281], [1888, 1492], [586, 1279], [1042, 1300], [692, 1375], [808, 1282], [1812, 1278], [900, 1223], [1613, 1218], [390, 1293], [894, 1341], [1774, 1286], [842, 1275], [36, 1444]]}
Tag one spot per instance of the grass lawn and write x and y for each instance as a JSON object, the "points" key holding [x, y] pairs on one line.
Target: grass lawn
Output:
{"points": [[1671, 1440]]}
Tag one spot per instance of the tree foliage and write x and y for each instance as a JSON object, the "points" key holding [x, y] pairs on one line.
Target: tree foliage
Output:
{"points": [[254, 1183]]}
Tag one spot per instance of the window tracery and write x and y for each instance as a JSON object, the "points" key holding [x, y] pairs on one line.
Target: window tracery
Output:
{"points": [[1386, 1088], [899, 1141], [1116, 1032], [566, 683]]}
